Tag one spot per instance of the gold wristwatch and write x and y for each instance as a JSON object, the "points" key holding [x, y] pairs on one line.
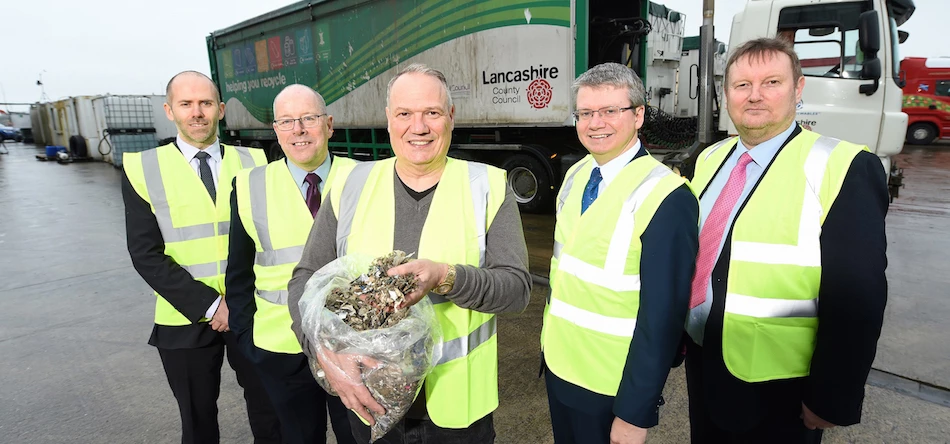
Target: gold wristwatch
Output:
{"points": [[448, 283]]}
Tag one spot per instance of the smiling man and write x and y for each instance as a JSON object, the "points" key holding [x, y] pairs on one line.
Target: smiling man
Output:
{"points": [[177, 216], [462, 222], [788, 298], [624, 247], [272, 211]]}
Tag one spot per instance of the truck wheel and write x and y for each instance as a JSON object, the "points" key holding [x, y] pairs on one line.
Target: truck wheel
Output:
{"points": [[530, 183], [921, 134], [274, 152]]}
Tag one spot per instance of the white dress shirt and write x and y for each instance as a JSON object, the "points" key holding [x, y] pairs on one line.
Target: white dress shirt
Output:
{"points": [[215, 163], [611, 169]]}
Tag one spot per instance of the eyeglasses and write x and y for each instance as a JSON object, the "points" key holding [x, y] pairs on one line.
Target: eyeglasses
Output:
{"points": [[309, 121], [606, 113]]}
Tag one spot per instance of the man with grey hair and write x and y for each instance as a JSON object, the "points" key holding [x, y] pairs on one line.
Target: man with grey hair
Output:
{"points": [[462, 222], [290, 189], [624, 250]]}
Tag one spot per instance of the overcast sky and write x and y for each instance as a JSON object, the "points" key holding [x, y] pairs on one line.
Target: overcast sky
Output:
{"points": [[96, 47]]}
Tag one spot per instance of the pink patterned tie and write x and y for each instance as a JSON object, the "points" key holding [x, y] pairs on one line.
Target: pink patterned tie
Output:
{"points": [[713, 229]]}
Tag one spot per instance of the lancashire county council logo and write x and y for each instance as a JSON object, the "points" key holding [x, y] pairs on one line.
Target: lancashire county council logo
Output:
{"points": [[539, 93]]}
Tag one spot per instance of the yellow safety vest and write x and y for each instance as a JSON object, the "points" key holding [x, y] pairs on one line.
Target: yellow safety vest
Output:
{"points": [[771, 313], [591, 315], [463, 387], [276, 217], [194, 229]]}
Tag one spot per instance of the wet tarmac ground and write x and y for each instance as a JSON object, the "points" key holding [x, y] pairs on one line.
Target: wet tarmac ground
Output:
{"points": [[75, 318]]}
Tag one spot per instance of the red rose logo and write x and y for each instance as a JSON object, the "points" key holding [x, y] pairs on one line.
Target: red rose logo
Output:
{"points": [[539, 93]]}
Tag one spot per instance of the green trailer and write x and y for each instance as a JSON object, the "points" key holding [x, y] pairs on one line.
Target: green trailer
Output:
{"points": [[509, 66]]}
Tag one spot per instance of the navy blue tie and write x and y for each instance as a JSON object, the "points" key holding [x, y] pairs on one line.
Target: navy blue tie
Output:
{"points": [[590, 191]]}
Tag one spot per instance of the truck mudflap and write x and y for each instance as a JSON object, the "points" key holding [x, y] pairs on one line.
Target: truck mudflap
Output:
{"points": [[895, 180]]}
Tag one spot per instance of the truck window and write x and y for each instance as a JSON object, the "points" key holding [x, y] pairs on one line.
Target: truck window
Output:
{"points": [[825, 37], [943, 88]]}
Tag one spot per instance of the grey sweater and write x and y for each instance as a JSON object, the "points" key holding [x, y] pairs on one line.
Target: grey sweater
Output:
{"points": [[502, 286]]}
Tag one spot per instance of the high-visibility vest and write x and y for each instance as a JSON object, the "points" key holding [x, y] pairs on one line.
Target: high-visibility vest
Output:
{"points": [[194, 228], [591, 314], [463, 387], [277, 218], [771, 313]]}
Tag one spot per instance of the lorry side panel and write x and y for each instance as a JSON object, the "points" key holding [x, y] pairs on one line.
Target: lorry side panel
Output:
{"points": [[506, 63]]}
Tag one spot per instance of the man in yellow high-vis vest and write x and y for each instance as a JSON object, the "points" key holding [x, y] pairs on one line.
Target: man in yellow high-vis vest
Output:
{"points": [[624, 248], [177, 220], [462, 222], [788, 297], [272, 211]]}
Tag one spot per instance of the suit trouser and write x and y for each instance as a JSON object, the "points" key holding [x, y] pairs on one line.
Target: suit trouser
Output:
{"points": [[194, 376], [780, 425], [570, 424], [300, 402]]}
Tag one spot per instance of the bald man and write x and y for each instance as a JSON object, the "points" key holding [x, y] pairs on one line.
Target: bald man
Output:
{"points": [[177, 215], [263, 253]]}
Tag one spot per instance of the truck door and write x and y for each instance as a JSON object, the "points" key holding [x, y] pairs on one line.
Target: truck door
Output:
{"points": [[940, 110], [825, 36]]}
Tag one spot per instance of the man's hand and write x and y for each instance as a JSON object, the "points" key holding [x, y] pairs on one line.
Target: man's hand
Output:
{"points": [[622, 432], [345, 377], [219, 322], [428, 276], [812, 421]]}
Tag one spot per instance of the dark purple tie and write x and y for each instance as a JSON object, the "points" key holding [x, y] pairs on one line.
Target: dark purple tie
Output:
{"points": [[313, 193]]}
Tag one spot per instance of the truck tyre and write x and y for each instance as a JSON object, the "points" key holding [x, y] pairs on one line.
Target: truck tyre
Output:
{"points": [[530, 182], [921, 133], [274, 152], [77, 146]]}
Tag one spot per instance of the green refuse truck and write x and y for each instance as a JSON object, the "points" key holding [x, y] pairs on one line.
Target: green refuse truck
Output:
{"points": [[509, 66]]}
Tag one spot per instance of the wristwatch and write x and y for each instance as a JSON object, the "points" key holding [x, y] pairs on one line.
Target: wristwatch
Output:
{"points": [[448, 283]]}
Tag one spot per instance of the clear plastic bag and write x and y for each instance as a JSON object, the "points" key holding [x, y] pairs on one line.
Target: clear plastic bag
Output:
{"points": [[403, 354]]}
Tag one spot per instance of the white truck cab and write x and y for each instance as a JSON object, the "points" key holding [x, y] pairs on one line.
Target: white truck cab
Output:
{"points": [[850, 58]]}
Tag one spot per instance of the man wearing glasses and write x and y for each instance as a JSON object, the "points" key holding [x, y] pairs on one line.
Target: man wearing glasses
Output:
{"points": [[624, 252], [272, 211]]}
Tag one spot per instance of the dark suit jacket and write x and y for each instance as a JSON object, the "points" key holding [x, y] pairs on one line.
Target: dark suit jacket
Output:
{"points": [[190, 297], [852, 296]]}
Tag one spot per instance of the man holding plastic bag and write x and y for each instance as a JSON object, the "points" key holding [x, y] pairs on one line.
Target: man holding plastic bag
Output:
{"points": [[463, 225]]}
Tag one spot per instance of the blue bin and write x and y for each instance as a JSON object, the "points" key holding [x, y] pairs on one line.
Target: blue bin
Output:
{"points": [[51, 150]]}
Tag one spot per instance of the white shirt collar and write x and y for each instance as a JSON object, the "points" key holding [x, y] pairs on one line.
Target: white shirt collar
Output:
{"points": [[611, 169], [190, 151]]}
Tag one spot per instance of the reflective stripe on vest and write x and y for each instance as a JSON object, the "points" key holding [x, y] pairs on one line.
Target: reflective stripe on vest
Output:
{"points": [[593, 321], [460, 347], [478, 178], [771, 309], [462, 387], [159, 201], [806, 253], [591, 316], [151, 172], [612, 276], [275, 216]]}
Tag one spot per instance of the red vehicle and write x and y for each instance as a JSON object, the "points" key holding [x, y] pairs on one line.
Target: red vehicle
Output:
{"points": [[926, 98]]}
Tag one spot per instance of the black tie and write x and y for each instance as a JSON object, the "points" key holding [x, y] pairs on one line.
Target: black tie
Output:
{"points": [[204, 170]]}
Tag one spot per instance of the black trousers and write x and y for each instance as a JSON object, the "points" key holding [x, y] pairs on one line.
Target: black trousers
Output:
{"points": [[424, 431], [300, 402], [573, 425], [780, 422], [194, 376]]}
